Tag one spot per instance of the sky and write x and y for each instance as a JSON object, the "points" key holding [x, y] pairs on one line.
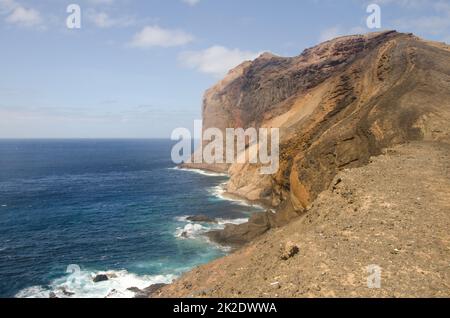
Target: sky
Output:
{"points": [[138, 69]]}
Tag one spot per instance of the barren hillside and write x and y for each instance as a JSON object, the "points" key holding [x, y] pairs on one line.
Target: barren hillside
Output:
{"points": [[338, 105], [393, 213]]}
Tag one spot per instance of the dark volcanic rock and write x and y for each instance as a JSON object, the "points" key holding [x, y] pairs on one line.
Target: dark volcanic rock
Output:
{"points": [[100, 278], [135, 290], [236, 235], [201, 219]]}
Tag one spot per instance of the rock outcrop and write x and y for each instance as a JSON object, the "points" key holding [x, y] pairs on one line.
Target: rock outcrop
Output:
{"points": [[100, 278], [337, 104]]}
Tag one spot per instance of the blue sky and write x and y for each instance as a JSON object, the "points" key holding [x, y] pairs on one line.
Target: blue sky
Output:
{"points": [[138, 69]]}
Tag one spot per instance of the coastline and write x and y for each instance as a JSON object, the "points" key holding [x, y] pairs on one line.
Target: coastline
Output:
{"points": [[234, 235], [352, 225], [131, 282], [230, 246], [233, 230], [203, 170]]}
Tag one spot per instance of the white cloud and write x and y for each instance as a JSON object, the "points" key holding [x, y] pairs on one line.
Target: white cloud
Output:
{"points": [[7, 6], [216, 60], [20, 15], [104, 20], [154, 36], [101, 19], [26, 17], [191, 2], [437, 24]]}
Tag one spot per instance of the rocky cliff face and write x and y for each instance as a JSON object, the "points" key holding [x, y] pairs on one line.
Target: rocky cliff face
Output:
{"points": [[393, 212], [337, 104]]}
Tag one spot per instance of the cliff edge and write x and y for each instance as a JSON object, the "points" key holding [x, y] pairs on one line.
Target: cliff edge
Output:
{"points": [[337, 104], [393, 213], [364, 174]]}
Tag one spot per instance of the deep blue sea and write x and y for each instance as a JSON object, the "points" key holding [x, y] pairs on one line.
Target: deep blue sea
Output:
{"points": [[70, 209]]}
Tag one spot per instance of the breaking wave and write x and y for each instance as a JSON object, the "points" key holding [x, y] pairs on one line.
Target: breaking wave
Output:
{"points": [[80, 284]]}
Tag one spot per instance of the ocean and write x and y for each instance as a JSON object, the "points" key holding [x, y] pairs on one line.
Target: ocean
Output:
{"points": [[71, 209]]}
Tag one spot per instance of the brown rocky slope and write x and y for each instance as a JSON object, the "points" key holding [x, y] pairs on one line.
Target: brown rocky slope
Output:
{"points": [[338, 105], [393, 213]]}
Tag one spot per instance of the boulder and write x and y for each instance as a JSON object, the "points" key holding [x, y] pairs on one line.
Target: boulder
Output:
{"points": [[289, 250], [100, 278]]}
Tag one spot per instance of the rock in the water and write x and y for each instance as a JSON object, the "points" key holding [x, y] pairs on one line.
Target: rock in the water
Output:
{"points": [[135, 290], [100, 278], [201, 219], [232, 234], [289, 250], [112, 294], [66, 292]]}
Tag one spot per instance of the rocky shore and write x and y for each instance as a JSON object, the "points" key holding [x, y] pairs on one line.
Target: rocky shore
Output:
{"points": [[393, 213]]}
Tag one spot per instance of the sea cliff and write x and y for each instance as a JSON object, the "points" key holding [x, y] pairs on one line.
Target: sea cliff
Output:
{"points": [[338, 105]]}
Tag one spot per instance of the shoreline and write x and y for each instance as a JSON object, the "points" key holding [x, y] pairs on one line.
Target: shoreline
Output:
{"points": [[235, 236], [229, 249], [225, 194], [124, 283], [213, 236], [313, 257]]}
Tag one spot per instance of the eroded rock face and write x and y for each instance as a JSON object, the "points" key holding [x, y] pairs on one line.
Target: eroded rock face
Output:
{"points": [[337, 104], [237, 235]]}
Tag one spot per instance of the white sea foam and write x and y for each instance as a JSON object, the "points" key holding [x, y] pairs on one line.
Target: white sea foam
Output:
{"points": [[202, 172], [223, 222], [182, 218], [80, 284], [220, 192], [191, 230], [220, 222]]}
